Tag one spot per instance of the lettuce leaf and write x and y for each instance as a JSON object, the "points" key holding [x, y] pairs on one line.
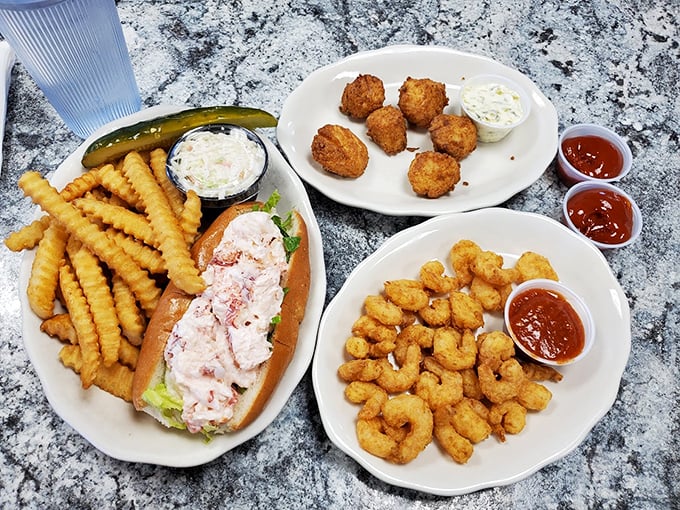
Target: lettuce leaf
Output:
{"points": [[169, 405]]}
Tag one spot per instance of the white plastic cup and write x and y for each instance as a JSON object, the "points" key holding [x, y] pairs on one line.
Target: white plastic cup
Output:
{"points": [[587, 185], [576, 302], [569, 175], [76, 53], [491, 132]]}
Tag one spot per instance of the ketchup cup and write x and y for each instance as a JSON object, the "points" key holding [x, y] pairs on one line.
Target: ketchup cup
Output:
{"points": [[601, 146], [549, 322], [602, 213]]}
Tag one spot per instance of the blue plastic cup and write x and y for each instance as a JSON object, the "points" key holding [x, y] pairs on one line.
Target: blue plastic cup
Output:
{"points": [[76, 53]]}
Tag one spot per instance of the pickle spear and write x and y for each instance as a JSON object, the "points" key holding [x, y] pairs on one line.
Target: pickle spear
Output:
{"points": [[163, 131]]}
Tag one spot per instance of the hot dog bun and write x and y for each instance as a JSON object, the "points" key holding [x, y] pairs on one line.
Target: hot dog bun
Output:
{"points": [[174, 303]]}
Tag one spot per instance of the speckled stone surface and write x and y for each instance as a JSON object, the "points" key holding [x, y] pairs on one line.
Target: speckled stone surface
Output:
{"points": [[611, 63]]}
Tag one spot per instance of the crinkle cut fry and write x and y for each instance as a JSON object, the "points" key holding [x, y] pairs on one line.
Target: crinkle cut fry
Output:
{"points": [[121, 218], [115, 182], [83, 323], [190, 217], [26, 238], [42, 193], [181, 268], [157, 160], [146, 256], [116, 379], [29, 236], [44, 277], [59, 326], [99, 297], [131, 318]]}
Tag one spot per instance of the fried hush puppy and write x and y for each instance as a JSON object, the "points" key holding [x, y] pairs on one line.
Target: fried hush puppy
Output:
{"points": [[453, 134], [433, 174], [362, 96], [421, 100], [387, 128], [340, 151]]}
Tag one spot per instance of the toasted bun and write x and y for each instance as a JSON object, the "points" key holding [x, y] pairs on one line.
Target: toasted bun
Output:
{"points": [[174, 302]]}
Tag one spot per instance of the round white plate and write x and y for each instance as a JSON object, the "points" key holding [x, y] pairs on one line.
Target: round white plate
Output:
{"points": [[112, 425], [585, 394], [494, 171]]}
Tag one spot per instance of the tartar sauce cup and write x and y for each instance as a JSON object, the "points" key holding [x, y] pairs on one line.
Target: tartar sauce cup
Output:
{"points": [[604, 155], [223, 163], [496, 105], [603, 214], [556, 353]]}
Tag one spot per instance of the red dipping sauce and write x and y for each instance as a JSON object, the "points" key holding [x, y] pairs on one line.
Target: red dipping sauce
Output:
{"points": [[593, 156], [602, 215], [546, 324]]}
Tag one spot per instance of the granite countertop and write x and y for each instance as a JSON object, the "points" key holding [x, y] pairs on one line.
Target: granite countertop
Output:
{"points": [[610, 63]]}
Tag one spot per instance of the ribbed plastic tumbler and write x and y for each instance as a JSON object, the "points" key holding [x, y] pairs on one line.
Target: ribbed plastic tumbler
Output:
{"points": [[76, 53]]}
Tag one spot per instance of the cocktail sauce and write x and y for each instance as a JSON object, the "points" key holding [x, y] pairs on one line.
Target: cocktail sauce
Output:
{"points": [[546, 324], [602, 215], [593, 156]]}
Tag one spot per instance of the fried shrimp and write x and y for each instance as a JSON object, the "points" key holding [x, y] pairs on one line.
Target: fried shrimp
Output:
{"points": [[438, 314], [468, 422], [437, 385], [360, 370], [534, 396], [488, 295], [372, 329], [433, 174], [372, 437], [407, 294], [458, 447], [507, 417], [383, 311], [386, 126], [504, 387], [453, 134], [455, 351], [489, 266], [339, 151], [414, 333], [396, 380], [466, 312], [363, 95], [421, 100], [462, 254], [494, 348], [371, 395], [538, 372], [413, 411], [531, 265], [433, 277]]}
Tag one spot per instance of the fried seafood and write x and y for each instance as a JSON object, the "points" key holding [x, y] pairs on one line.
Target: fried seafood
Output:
{"points": [[507, 417], [458, 447], [386, 126], [453, 134], [363, 95], [423, 370], [413, 411], [339, 151], [532, 265], [433, 174], [421, 100]]}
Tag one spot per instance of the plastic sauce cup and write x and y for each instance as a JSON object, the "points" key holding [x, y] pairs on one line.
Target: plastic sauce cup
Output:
{"points": [[570, 174]]}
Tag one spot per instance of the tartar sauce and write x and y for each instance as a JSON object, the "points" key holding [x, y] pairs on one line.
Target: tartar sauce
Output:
{"points": [[492, 103], [217, 165], [221, 339]]}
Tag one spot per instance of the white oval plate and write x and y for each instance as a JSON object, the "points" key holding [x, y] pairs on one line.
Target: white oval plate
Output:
{"points": [[580, 400], [112, 425], [494, 171]]}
